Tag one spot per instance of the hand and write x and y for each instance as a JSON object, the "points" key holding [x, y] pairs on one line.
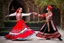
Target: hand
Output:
{"points": [[38, 14], [6, 16], [34, 13]]}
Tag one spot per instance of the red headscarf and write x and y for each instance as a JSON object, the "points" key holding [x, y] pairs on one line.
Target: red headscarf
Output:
{"points": [[17, 10], [49, 7]]}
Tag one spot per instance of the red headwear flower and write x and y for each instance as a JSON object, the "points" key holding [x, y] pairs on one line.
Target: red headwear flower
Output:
{"points": [[49, 7]]}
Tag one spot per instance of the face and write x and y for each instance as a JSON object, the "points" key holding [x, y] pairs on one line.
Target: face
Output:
{"points": [[20, 10], [47, 9]]}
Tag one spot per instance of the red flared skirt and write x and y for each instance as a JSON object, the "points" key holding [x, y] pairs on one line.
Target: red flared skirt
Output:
{"points": [[20, 30]]}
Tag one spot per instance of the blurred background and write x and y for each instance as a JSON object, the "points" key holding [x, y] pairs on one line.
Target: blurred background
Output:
{"points": [[34, 22]]}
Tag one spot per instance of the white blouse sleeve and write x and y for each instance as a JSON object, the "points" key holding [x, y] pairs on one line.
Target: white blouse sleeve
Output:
{"points": [[26, 14], [13, 14]]}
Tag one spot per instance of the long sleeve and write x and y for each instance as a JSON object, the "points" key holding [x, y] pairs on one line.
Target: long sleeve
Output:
{"points": [[23, 14], [26, 14], [13, 14], [43, 15]]}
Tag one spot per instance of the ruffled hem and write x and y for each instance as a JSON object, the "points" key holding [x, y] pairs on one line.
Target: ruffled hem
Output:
{"points": [[21, 36], [46, 35]]}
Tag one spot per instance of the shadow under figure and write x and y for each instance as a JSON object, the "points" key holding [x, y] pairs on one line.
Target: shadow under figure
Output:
{"points": [[20, 31], [48, 30]]}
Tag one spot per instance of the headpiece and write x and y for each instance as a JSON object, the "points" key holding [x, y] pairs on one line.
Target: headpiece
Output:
{"points": [[49, 7]]}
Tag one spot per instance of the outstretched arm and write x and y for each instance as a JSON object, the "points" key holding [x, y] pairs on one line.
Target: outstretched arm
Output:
{"points": [[26, 14], [42, 15], [13, 14]]}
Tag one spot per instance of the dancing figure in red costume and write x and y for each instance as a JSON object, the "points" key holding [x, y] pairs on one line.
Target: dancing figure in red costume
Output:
{"points": [[20, 31]]}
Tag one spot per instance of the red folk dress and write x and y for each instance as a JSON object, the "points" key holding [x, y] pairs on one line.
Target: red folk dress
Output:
{"points": [[20, 31]]}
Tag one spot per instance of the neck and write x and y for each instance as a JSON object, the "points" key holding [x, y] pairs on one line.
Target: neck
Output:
{"points": [[18, 13], [49, 11]]}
